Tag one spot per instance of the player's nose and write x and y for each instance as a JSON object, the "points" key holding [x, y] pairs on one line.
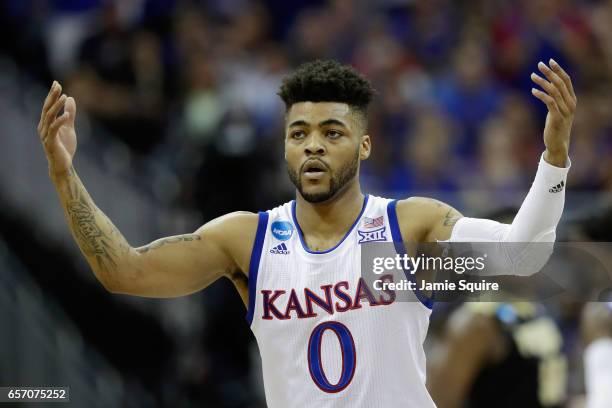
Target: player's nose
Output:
{"points": [[314, 144]]}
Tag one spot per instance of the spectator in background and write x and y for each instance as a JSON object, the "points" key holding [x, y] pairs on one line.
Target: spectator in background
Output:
{"points": [[469, 95], [597, 336], [429, 143], [120, 81]]}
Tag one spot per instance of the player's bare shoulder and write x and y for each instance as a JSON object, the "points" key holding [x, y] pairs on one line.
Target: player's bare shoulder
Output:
{"points": [[234, 233], [423, 219]]}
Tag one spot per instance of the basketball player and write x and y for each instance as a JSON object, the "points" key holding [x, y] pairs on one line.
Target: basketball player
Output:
{"points": [[596, 327], [324, 339], [596, 318], [499, 355]]}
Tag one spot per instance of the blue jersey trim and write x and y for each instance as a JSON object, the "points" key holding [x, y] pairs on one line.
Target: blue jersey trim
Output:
{"points": [[254, 264], [365, 203], [401, 250]]}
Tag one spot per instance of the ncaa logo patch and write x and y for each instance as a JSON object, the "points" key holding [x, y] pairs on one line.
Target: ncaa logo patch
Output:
{"points": [[372, 236], [282, 230]]}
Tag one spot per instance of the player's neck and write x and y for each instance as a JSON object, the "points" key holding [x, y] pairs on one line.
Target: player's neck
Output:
{"points": [[331, 217]]}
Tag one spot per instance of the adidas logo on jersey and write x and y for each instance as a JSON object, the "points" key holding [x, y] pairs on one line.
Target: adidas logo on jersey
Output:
{"points": [[558, 188], [280, 249]]}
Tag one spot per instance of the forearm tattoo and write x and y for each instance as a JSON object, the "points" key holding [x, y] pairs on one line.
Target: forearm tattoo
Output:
{"points": [[101, 243], [169, 240]]}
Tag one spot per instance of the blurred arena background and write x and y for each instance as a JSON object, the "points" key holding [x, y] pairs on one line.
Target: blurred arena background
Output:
{"points": [[179, 122]]}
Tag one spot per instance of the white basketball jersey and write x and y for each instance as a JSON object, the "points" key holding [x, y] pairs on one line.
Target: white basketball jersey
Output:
{"points": [[324, 339]]}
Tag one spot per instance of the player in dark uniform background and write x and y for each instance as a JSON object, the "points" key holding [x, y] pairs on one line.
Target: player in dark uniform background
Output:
{"points": [[498, 355]]}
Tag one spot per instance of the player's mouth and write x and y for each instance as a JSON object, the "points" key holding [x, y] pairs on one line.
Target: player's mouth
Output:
{"points": [[314, 169]]}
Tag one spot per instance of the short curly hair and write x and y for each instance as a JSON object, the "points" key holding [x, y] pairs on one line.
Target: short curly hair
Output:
{"points": [[327, 81]]}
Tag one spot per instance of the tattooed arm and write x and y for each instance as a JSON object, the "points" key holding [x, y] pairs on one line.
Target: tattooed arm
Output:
{"points": [[425, 219], [168, 267], [99, 240]]}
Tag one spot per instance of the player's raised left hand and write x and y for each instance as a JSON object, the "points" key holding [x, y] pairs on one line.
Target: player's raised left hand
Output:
{"points": [[558, 95]]}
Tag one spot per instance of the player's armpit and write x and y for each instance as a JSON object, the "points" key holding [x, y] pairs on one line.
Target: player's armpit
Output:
{"points": [[183, 264], [426, 219]]}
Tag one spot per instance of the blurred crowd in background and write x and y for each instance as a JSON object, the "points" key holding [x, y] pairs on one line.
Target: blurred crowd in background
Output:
{"points": [[177, 99], [196, 83]]}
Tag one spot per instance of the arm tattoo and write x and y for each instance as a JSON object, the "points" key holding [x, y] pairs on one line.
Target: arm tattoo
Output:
{"points": [[169, 240], [451, 218], [95, 241]]}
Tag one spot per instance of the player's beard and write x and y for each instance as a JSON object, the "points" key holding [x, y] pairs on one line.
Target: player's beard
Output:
{"points": [[337, 180]]}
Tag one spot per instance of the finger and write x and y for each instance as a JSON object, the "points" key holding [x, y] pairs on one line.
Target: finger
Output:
{"points": [[51, 100], [568, 97], [54, 92], [52, 113], [547, 99], [61, 120], [564, 76], [51, 96], [70, 107], [552, 91], [557, 83]]}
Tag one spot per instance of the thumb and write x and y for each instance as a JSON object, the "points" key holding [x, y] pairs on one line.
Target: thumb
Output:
{"points": [[70, 107]]}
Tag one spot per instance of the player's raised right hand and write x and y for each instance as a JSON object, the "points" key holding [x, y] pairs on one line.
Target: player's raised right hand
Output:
{"points": [[57, 133]]}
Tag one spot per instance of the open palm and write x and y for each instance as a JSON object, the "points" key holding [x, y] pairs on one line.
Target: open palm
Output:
{"points": [[57, 133], [560, 99]]}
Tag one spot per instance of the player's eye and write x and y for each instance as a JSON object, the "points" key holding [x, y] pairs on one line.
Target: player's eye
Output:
{"points": [[297, 134], [333, 134]]}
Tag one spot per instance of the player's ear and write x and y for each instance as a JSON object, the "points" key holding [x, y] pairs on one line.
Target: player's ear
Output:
{"points": [[365, 147]]}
